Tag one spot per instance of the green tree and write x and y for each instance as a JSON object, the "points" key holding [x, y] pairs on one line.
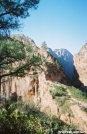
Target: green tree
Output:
{"points": [[12, 11], [15, 56], [44, 45]]}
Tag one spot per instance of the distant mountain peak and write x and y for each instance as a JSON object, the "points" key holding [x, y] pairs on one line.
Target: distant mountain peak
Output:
{"points": [[65, 58]]}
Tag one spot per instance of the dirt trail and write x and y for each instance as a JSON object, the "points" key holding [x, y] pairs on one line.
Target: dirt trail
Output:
{"points": [[80, 103], [80, 116]]}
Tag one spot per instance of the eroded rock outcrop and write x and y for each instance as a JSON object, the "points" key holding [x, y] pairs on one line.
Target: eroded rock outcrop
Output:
{"points": [[80, 72]]}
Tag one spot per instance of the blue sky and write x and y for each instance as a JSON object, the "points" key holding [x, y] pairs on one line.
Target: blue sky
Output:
{"points": [[60, 23]]}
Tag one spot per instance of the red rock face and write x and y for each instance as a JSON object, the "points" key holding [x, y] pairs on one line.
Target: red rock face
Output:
{"points": [[30, 96], [34, 89], [53, 73], [56, 74]]}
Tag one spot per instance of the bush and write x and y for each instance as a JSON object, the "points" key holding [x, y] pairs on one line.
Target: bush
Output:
{"points": [[58, 91], [60, 101], [78, 94], [84, 109], [15, 121], [66, 108]]}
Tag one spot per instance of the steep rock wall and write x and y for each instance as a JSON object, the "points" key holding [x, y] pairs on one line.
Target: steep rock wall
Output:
{"points": [[80, 72], [32, 88], [37, 90]]}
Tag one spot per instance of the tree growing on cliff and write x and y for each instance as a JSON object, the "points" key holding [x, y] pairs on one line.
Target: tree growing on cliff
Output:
{"points": [[15, 57], [44, 45]]}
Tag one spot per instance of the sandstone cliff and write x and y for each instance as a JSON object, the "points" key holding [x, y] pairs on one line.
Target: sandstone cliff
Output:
{"points": [[39, 90], [39, 86], [52, 70], [80, 72]]}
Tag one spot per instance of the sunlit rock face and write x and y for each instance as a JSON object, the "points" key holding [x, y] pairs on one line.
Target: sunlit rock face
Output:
{"points": [[80, 63], [26, 87], [65, 58]]}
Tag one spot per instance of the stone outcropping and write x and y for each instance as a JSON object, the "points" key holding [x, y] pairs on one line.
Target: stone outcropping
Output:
{"points": [[80, 63]]}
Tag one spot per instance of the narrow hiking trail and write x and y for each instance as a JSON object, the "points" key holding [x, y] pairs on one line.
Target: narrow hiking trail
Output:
{"points": [[80, 116], [80, 103], [77, 107]]}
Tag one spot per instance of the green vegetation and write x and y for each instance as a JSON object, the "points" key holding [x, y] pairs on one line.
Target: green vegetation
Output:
{"points": [[44, 45], [13, 51], [58, 91], [26, 119], [15, 57], [15, 122], [60, 100], [11, 13], [66, 108], [64, 104], [34, 73], [84, 109], [78, 94], [56, 63], [61, 97]]}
